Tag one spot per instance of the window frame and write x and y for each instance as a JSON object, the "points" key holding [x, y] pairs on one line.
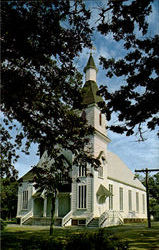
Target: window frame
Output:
{"points": [[111, 197], [137, 202], [100, 172], [25, 200], [82, 197], [143, 203], [121, 199], [82, 171], [130, 200], [100, 119]]}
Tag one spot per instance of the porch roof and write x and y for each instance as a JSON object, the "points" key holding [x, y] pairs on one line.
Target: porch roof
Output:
{"points": [[37, 194], [103, 191]]}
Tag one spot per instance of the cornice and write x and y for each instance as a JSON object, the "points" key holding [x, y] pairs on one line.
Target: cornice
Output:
{"points": [[122, 182], [102, 135]]}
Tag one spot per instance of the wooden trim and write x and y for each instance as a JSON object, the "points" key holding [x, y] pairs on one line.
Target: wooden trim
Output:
{"points": [[122, 182], [102, 135]]}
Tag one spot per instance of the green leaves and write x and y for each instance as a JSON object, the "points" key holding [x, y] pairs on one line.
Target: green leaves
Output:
{"points": [[9, 189], [136, 101], [153, 184], [40, 85]]}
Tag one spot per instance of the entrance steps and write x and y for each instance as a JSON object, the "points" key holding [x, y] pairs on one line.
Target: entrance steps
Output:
{"points": [[38, 221], [42, 221], [93, 223]]}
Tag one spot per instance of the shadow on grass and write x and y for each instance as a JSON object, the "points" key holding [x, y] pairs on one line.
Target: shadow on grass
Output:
{"points": [[137, 235]]}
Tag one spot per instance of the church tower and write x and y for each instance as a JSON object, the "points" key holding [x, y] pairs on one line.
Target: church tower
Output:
{"points": [[99, 139], [93, 113]]}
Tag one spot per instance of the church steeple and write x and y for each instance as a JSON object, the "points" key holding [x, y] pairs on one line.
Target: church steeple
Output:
{"points": [[91, 100], [90, 88], [90, 69]]}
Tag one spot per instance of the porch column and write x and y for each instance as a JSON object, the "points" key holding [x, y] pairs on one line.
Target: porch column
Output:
{"points": [[56, 207], [45, 207]]}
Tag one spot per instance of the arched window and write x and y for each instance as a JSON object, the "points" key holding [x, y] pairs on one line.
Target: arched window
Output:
{"points": [[25, 200], [100, 172], [100, 119]]}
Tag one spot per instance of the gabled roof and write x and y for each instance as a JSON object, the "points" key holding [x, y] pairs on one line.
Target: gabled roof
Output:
{"points": [[119, 172], [89, 93], [90, 64], [28, 176]]}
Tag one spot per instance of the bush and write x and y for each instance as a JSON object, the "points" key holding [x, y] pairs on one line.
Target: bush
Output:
{"points": [[91, 241], [82, 241], [156, 212], [3, 224], [12, 221], [40, 245], [31, 244]]}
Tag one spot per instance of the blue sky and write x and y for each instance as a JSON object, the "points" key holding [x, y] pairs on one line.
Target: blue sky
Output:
{"points": [[136, 155]]}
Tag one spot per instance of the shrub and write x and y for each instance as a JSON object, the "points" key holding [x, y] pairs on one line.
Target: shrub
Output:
{"points": [[92, 241], [2, 224], [12, 221], [40, 244]]}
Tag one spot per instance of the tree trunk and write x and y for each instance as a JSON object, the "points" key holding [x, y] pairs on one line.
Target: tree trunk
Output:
{"points": [[52, 213]]}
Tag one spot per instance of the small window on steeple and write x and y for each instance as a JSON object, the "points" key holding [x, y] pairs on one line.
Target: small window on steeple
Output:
{"points": [[100, 119]]}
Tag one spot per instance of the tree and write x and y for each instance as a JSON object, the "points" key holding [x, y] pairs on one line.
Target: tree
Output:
{"points": [[9, 189], [153, 186], [40, 40], [154, 193], [41, 89], [40, 86], [136, 102]]}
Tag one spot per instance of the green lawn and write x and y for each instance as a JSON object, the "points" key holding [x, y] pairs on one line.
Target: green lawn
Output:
{"points": [[137, 235]]}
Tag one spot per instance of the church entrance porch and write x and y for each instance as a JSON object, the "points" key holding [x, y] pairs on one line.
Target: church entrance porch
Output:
{"points": [[41, 210], [64, 204], [38, 205]]}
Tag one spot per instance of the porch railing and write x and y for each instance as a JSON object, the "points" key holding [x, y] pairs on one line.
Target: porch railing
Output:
{"points": [[66, 218], [89, 218], [26, 217], [103, 217], [110, 215]]}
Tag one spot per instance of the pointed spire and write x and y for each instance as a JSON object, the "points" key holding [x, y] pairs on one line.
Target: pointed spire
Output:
{"points": [[90, 64], [90, 69], [90, 88]]}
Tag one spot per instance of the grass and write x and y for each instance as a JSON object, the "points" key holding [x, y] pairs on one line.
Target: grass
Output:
{"points": [[137, 235]]}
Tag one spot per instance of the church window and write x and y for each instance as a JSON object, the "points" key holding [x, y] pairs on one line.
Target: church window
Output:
{"points": [[121, 198], [111, 197], [143, 200], [103, 160], [100, 119], [137, 202], [25, 200], [82, 171], [130, 199], [82, 196], [100, 171]]}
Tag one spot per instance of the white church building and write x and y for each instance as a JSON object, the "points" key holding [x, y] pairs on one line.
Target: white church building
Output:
{"points": [[112, 196]]}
